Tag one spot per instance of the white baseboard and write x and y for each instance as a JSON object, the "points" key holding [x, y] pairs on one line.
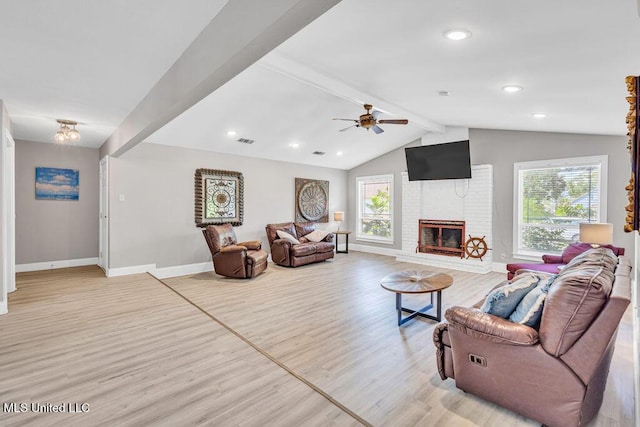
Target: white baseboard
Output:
{"points": [[49, 265], [373, 249], [182, 270], [133, 269], [499, 267], [3, 307]]}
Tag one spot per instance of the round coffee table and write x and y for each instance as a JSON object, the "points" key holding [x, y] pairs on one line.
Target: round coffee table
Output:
{"points": [[417, 282]]}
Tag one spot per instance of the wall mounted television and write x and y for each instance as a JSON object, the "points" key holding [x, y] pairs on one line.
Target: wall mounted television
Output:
{"points": [[451, 160]]}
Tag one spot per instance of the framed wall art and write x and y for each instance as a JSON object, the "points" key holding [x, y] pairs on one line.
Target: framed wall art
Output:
{"points": [[312, 200], [632, 220], [218, 197], [57, 184]]}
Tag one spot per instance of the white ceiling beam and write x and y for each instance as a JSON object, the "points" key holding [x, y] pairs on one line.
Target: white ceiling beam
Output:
{"points": [[279, 63], [240, 34]]}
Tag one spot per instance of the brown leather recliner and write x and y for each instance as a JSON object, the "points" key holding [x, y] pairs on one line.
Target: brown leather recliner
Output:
{"points": [[232, 259], [285, 253], [555, 374]]}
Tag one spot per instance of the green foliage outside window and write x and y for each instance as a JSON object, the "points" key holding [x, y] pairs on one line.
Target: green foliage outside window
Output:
{"points": [[557, 200], [543, 240], [377, 223]]}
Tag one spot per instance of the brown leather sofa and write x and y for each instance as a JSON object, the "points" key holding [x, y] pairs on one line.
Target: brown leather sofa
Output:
{"points": [[285, 253], [232, 259], [555, 374]]}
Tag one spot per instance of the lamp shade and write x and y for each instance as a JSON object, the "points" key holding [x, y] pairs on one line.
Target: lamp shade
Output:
{"points": [[338, 216], [596, 233]]}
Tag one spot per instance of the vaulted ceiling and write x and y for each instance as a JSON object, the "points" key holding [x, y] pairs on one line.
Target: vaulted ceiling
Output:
{"points": [[94, 62]]}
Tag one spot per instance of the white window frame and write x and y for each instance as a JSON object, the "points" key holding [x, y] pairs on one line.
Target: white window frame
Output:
{"points": [[566, 162], [364, 237]]}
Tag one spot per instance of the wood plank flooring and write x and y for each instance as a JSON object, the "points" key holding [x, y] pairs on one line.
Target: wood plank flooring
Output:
{"points": [[304, 346], [139, 355]]}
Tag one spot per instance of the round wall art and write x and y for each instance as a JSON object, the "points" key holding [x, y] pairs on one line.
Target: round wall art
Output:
{"points": [[312, 200]]}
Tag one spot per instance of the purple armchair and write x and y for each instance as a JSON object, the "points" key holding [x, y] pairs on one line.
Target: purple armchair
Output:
{"points": [[551, 263]]}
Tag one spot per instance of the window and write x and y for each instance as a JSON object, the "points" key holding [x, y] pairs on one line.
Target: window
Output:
{"points": [[552, 197], [375, 207]]}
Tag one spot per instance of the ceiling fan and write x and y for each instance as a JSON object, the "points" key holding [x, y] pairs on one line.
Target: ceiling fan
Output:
{"points": [[370, 120]]}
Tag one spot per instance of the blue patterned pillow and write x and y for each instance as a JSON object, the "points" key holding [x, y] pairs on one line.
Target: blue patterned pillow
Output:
{"points": [[503, 300], [529, 310]]}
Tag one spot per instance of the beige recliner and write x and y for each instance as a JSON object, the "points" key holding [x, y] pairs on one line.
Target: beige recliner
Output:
{"points": [[555, 374]]}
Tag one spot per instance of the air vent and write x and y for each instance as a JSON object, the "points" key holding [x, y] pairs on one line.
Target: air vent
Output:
{"points": [[319, 153], [246, 141]]}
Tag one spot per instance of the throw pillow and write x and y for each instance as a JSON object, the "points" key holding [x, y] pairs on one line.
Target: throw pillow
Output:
{"points": [[503, 300], [317, 235], [529, 310], [286, 236]]}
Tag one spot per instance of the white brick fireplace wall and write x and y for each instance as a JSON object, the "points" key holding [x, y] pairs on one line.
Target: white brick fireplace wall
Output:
{"points": [[461, 200]]}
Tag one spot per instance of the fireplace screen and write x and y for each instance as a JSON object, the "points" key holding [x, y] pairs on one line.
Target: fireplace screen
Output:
{"points": [[442, 237]]}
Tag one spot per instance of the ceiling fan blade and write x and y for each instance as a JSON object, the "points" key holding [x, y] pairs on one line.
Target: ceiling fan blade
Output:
{"points": [[349, 120], [377, 129], [348, 127], [394, 121], [376, 113]]}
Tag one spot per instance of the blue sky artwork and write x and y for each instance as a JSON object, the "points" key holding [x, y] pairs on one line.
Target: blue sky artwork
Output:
{"points": [[57, 184]]}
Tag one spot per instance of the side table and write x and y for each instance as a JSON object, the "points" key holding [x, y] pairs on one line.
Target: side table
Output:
{"points": [[346, 245]]}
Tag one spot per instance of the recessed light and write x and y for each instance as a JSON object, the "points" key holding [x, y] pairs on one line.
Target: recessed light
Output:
{"points": [[457, 34], [511, 88], [231, 133], [339, 153], [539, 115], [294, 145]]}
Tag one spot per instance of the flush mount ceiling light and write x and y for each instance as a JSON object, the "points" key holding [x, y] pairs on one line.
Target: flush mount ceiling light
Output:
{"points": [[66, 133], [457, 34], [539, 115], [511, 88]]}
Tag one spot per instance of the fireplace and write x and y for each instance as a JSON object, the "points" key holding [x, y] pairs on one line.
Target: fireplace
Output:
{"points": [[441, 237]]}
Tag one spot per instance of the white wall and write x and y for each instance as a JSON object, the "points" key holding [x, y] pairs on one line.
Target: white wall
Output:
{"points": [[48, 231], [155, 222]]}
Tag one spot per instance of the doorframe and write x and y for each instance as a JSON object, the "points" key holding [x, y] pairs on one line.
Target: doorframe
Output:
{"points": [[103, 249], [7, 218]]}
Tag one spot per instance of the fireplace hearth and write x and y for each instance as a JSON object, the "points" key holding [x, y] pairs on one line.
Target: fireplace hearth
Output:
{"points": [[442, 237]]}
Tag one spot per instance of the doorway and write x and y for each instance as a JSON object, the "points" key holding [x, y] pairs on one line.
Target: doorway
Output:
{"points": [[103, 253]]}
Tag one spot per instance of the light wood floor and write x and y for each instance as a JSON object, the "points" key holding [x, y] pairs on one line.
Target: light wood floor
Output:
{"points": [[314, 345]]}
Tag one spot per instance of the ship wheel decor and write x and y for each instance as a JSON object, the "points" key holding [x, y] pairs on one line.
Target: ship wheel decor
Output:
{"points": [[312, 200], [476, 247]]}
